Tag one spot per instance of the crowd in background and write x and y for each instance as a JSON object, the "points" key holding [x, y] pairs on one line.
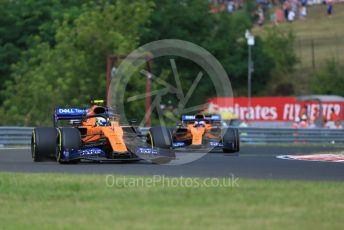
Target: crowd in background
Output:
{"points": [[273, 11], [306, 120], [225, 5]]}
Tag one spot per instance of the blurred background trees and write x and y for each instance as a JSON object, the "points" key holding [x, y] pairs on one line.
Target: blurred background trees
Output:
{"points": [[330, 79], [69, 68], [53, 53]]}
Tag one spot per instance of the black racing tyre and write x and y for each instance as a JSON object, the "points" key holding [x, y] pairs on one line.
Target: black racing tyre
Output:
{"points": [[231, 137], [238, 139], [159, 137], [44, 144], [68, 139]]}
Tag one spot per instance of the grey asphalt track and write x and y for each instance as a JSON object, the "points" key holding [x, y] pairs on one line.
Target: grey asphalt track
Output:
{"points": [[253, 162]]}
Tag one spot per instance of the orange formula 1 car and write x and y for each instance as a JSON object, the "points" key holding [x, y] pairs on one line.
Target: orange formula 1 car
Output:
{"points": [[197, 132], [95, 135]]}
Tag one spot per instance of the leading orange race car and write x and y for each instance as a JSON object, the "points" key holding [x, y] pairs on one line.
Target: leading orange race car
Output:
{"points": [[95, 135]]}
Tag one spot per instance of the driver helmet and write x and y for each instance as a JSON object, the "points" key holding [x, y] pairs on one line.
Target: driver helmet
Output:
{"points": [[199, 124], [100, 121], [304, 117]]}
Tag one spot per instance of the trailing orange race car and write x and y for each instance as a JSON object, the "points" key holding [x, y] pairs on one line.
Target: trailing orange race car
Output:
{"points": [[197, 132], [95, 135]]}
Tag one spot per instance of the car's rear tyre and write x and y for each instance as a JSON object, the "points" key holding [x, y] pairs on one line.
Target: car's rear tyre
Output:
{"points": [[43, 144], [159, 137], [231, 137], [68, 139]]}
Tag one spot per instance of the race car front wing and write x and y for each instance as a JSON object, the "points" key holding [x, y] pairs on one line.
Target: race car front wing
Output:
{"points": [[98, 154]]}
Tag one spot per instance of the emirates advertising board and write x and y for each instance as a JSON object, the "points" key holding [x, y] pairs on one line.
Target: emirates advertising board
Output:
{"points": [[284, 109]]}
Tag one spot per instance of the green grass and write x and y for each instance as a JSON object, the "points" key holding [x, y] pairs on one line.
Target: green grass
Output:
{"points": [[327, 34], [318, 25], [62, 201]]}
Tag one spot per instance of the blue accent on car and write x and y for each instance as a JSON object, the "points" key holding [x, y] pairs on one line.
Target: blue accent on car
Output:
{"points": [[214, 117], [188, 117], [66, 154], [89, 152], [178, 144], [215, 144], [70, 113], [150, 151]]}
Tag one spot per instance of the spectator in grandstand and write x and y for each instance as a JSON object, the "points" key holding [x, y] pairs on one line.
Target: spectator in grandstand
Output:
{"points": [[315, 115], [291, 16], [329, 7], [304, 111], [213, 8], [292, 10], [326, 124], [286, 7], [312, 125], [338, 125], [334, 116], [303, 9], [278, 16], [304, 123], [334, 119], [294, 5], [260, 14], [230, 6], [273, 18], [296, 123], [222, 7]]}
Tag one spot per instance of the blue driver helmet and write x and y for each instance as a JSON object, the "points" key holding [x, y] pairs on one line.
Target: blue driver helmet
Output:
{"points": [[199, 124], [100, 121]]}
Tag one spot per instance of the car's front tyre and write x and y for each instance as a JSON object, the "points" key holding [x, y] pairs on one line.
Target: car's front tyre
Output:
{"points": [[231, 140], [69, 139], [159, 137]]}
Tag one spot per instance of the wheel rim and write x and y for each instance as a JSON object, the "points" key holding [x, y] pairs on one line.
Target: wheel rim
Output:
{"points": [[33, 145], [59, 146], [150, 139]]}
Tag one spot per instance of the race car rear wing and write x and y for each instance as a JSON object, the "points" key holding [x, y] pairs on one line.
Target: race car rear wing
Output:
{"points": [[213, 117], [69, 114]]}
